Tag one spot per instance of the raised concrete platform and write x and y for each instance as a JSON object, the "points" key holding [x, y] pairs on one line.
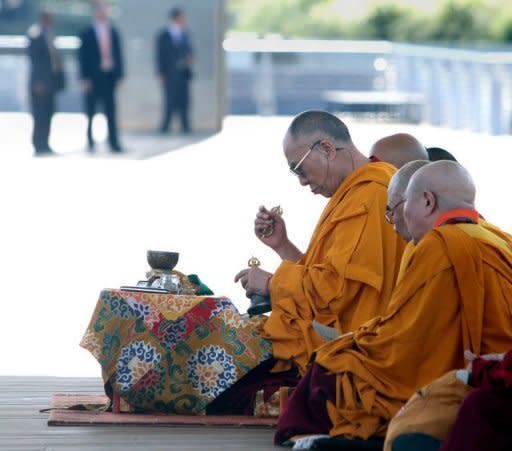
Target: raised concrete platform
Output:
{"points": [[72, 225], [23, 428]]}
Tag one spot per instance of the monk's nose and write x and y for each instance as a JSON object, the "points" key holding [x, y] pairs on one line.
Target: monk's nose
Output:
{"points": [[303, 181]]}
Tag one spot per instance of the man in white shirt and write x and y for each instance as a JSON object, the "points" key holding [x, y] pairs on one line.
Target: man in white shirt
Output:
{"points": [[101, 71]]}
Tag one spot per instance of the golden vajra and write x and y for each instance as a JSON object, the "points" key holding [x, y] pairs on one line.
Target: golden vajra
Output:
{"points": [[267, 231], [253, 262]]}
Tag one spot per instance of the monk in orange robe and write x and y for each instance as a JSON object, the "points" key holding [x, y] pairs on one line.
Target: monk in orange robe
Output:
{"points": [[399, 149], [395, 206], [454, 294], [346, 275]]}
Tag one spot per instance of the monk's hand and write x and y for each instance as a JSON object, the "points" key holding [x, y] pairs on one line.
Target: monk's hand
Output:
{"points": [[268, 220], [254, 281]]}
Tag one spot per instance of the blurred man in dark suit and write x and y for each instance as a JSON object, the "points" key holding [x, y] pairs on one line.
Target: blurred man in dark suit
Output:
{"points": [[173, 59], [101, 70], [46, 79]]}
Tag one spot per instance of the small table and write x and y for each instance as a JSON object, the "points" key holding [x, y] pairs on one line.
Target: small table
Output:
{"points": [[170, 353]]}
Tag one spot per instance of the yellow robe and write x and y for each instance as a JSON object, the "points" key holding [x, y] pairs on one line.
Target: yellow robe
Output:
{"points": [[455, 293], [346, 275]]}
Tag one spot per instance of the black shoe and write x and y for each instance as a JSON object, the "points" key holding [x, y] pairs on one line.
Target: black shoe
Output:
{"points": [[90, 146], [44, 153], [116, 148]]}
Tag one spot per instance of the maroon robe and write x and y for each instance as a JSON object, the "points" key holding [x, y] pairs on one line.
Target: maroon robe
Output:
{"points": [[484, 421]]}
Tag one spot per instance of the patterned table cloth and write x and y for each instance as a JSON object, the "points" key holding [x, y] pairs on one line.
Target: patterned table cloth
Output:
{"points": [[172, 353]]}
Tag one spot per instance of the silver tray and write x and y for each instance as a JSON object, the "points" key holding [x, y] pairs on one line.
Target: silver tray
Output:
{"points": [[145, 289]]}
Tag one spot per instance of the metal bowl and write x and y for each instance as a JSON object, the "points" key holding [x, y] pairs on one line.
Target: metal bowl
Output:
{"points": [[162, 260]]}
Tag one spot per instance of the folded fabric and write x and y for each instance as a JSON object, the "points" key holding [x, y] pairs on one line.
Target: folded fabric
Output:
{"points": [[202, 290], [431, 410]]}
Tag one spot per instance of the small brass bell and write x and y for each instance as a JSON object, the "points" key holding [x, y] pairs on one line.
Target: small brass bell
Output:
{"points": [[259, 303]]}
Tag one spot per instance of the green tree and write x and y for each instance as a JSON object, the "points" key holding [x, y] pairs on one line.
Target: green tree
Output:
{"points": [[502, 31], [384, 22], [456, 21], [461, 21], [291, 18], [507, 32]]}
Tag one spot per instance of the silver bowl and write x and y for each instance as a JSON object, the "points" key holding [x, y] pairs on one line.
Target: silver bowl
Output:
{"points": [[162, 260]]}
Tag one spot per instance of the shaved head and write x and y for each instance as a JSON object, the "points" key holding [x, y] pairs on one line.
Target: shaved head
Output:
{"points": [[320, 151], [401, 178], [435, 189], [399, 149], [320, 123], [396, 190]]}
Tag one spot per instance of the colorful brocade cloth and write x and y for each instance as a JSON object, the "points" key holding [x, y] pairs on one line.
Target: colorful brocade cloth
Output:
{"points": [[170, 353]]}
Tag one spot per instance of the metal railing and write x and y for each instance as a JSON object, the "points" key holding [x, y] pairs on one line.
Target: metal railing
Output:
{"points": [[466, 89]]}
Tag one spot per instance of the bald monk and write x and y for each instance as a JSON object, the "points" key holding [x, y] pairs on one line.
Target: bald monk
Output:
{"points": [[438, 153], [347, 273], [398, 149], [454, 293], [396, 191]]}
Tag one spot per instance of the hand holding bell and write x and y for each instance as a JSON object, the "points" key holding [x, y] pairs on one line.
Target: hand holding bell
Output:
{"points": [[259, 303], [267, 231]]}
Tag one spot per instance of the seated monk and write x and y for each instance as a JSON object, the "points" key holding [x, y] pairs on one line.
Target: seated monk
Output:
{"points": [[395, 206], [484, 420], [396, 190], [454, 293], [346, 275], [398, 149]]}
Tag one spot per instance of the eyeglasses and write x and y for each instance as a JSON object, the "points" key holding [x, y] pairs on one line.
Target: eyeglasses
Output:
{"points": [[390, 212], [295, 167]]}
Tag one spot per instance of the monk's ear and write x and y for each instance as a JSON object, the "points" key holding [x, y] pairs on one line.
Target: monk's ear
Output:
{"points": [[328, 148], [430, 201]]}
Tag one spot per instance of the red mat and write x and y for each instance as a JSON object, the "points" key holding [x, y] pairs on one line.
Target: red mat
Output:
{"points": [[61, 417]]}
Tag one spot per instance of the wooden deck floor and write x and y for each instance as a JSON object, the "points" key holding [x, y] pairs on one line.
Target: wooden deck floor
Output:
{"points": [[22, 427]]}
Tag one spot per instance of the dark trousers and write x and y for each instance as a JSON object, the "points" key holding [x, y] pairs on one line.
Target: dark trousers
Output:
{"points": [[103, 92], [176, 99], [43, 107]]}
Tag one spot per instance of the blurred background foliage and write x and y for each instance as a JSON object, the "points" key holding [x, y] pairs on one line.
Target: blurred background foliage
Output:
{"points": [[71, 16], [452, 21], [444, 21]]}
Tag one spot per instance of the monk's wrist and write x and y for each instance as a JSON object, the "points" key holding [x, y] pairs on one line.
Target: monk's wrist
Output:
{"points": [[288, 251], [267, 286]]}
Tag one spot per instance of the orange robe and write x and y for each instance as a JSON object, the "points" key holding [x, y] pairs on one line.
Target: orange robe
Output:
{"points": [[455, 293], [346, 275]]}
